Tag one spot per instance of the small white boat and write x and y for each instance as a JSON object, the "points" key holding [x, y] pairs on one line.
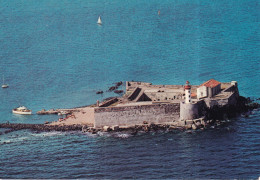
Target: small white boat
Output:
{"points": [[22, 110], [4, 85], [99, 20]]}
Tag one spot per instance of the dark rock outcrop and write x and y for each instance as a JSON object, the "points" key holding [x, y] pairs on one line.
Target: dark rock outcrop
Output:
{"points": [[118, 91], [112, 88], [99, 92]]}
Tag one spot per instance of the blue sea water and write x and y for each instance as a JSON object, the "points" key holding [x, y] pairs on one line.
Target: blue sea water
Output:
{"points": [[54, 55]]}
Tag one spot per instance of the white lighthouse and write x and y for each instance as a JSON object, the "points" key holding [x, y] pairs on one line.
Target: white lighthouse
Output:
{"points": [[187, 88]]}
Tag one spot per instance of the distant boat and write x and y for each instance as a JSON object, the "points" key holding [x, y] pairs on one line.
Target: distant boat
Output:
{"points": [[4, 85], [99, 20], [22, 110]]}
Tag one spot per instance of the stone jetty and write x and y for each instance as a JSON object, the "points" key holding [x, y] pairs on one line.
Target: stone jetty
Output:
{"points": [[39, 127]]}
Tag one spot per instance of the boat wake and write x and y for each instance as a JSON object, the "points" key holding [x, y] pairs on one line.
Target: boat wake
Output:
{"points": [[109, 134], [46, 134], [13, 140], [27, 136]]}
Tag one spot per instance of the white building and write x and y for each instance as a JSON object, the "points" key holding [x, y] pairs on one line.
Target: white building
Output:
{"points": [[208, 89]]}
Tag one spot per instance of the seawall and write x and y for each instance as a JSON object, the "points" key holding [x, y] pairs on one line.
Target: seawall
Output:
{"points": [[132, 115]]}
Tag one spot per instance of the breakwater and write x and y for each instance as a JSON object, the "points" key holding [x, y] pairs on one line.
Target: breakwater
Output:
{"points": [[39, 127]]}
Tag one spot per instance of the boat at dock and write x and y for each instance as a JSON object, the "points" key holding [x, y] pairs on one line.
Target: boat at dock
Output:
{"points": [[22, 110]]}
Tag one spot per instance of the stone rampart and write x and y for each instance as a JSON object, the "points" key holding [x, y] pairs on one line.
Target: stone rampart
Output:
{"points": [[134, 94], [132, 115], [108, 102]]}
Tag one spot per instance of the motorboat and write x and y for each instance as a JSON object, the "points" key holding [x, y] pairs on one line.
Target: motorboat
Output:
{"points": [[5, 86], [22, 110]]}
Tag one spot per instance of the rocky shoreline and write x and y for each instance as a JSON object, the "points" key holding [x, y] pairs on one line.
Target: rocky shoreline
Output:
{"points": [[10, 127], [38, 127]]}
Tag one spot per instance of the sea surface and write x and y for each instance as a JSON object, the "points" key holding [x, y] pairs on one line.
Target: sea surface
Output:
{"points": [[54, 55]]}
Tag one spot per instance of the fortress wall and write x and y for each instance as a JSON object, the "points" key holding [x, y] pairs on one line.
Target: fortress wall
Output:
{"points": [[161, 96], [132, 115], [134, 94], [108, 103], [189, 111], [232, 100], [231, 88], [225, 85]]}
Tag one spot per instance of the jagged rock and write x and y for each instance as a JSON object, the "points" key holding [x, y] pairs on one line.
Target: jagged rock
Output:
{"points": [[187, 126], [112, 88], [115, 128], [172, 127], [181, 123], [194, 127], [146, 128], [118, 91], [84, 128], [119, 83], [198, 123], [106, 128], [203, 123], [189, 122], [154, 127], [99, 92]]}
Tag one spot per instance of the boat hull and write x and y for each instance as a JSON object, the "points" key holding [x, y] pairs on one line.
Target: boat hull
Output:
{"points": [[22, 112], [4, 86]]}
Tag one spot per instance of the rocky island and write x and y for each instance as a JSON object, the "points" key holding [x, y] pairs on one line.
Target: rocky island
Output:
{"points": [[147, 107]]}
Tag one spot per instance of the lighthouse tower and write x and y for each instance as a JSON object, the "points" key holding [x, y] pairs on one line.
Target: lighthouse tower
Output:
{"points": [[187, 88], [188, 110]]}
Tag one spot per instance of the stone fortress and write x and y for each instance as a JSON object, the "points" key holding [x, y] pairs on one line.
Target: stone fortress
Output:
{"points": [[159, 104]]}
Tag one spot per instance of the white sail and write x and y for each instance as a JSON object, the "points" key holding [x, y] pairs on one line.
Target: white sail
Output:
{"points": [[99, 20], [4, 85]]}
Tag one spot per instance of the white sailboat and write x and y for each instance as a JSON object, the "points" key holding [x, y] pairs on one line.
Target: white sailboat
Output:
{"points": [[99, 20], [4, 85]]}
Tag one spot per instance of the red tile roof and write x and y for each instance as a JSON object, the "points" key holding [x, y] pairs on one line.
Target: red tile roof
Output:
{"points": [[211, 83]]}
